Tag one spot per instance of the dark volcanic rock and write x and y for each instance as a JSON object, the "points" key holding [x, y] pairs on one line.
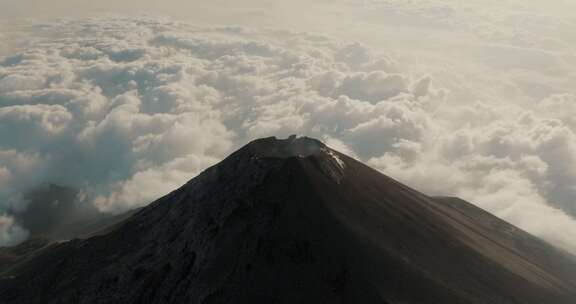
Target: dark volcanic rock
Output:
{"points": [[291, 221], [9, 256]]}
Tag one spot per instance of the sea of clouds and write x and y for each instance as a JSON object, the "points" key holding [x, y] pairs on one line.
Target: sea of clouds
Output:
{"points": [[128, 109]]}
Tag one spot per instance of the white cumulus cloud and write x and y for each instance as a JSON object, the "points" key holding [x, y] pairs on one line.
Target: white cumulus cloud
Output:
{"points": [[127, 109]]}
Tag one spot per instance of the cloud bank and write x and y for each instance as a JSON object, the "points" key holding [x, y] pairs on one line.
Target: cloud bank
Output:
{"points": [[127, 109]]}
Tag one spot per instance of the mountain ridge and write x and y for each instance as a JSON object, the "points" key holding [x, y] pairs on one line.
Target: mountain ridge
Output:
{"points": [[274, 223]]}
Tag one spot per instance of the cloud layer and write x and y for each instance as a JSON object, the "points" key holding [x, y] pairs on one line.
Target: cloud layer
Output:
{"points": [[127, 109]]}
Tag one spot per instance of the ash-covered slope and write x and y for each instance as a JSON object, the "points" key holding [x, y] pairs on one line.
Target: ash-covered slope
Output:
{"points": [[292, 221]]}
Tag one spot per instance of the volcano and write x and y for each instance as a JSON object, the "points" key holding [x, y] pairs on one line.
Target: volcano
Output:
{"points": [[293, 221]]}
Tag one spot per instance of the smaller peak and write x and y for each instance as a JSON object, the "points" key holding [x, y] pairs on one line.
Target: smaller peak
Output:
{"points": [[293, 146]]}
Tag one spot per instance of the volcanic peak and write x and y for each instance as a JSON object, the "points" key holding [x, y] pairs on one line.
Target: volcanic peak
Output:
{"points": [[293, 146], [301, 147]]}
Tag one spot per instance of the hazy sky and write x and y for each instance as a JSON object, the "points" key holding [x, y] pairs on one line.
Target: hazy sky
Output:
{"points": [[126, 100]]}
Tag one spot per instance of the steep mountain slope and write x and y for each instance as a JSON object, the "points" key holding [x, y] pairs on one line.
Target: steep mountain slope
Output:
{"points": [[292, 221], [9, 256], [53, 214]]}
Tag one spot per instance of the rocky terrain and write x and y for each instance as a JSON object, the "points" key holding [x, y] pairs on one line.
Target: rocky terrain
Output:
{"points": [[293, 221]]}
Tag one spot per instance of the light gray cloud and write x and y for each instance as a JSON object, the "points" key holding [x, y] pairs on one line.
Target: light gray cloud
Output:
{"points": [[10, 232], [127, 109]]}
